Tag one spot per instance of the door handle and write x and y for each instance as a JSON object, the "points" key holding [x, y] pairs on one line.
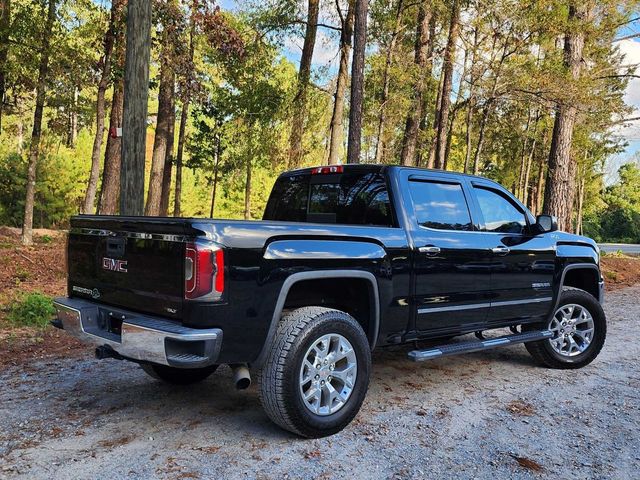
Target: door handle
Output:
{"points": [[429, 249], [501, 250]]}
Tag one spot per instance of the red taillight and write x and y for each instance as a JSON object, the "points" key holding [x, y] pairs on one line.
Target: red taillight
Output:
{"points": [[203, 272], [324, 170]]}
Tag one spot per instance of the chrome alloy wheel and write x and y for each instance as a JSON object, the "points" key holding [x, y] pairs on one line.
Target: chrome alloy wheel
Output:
{"points": [[328, 374], [572, 327]]}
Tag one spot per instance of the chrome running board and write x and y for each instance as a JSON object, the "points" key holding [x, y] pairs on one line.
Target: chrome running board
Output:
{"points": [[477, 345]]}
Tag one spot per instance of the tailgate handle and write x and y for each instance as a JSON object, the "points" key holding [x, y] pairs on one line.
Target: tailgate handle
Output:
{"points": [[115, 246]]}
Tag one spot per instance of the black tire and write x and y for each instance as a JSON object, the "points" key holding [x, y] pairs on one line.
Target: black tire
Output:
{"points": [[543, 352], [279, 377], [177, 376]]}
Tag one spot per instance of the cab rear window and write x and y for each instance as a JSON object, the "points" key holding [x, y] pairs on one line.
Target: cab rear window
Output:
{"points": [[350, 198]]}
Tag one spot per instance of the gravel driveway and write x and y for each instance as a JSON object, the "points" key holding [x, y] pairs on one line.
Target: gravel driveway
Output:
{"points": [[492, 414]]}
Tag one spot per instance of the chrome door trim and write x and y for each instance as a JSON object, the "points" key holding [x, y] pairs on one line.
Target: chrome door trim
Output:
{"points": [[484, 305], [472, 306], [521, 302]]}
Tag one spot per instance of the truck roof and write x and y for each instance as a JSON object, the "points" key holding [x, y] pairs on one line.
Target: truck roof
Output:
{"points": [[374, 167]]}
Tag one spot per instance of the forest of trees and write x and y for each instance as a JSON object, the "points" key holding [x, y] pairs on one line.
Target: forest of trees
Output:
{"points": [[529, 93]]}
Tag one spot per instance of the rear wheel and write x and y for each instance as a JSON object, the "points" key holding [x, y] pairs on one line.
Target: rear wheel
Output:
{"points": [[316, 374], [178, 376], [579, 330]]}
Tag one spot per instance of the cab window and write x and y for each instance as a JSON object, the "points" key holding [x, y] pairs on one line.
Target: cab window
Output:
{"points": [[500, 214]]}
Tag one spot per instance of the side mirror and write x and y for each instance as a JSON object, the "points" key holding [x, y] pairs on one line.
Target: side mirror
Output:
{"points": [[547, 223]]}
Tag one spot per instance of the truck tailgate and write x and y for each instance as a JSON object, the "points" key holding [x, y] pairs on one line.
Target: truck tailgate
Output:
{"points": [[135, 263]]}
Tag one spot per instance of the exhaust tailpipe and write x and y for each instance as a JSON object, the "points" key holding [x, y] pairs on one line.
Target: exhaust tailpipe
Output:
{"points": [[241, 376]]}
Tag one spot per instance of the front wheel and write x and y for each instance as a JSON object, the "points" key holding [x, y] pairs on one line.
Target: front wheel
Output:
{"points": [[316, 375], [177, 376], [579, 330]]}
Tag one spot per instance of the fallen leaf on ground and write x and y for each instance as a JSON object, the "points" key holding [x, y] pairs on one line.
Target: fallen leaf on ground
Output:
{"points": [[518, 407], [527, 463]]}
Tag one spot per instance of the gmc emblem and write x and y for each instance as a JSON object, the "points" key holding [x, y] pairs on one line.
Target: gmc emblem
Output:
{"points": [[114, 265]]}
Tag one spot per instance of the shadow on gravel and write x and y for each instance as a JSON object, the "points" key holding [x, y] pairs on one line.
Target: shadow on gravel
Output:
{"points": [[113, 398]]}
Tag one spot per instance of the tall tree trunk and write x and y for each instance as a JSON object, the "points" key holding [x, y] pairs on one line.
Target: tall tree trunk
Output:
{"points": [[184, 116], [436, 119], [34, 148], [527, 173], [523, 156], [20, 135], [72, 133], [471, 103], [247, 189], [447, 79], [161, 139], [357, 81], [300, 101], [468, 121], [136, 92], [110, 191], [452, 121], [426, 100], [580, 206], [337, 117], [488, 106], [168, 163], [215, 174], [5, 29], [414, 115], [560, 189], [381, 144], [536, 198], [103, 85], [483, 125]]}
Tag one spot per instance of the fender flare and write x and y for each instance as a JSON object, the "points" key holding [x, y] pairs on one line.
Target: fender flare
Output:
{"points": [[314, 275], [574, 266]]}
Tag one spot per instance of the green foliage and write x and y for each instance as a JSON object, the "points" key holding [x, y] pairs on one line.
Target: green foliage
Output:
{"points": [[32, 310], [619, 220], [508, 78], [60, 182]]}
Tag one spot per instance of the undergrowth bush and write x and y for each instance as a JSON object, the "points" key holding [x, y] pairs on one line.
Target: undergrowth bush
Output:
{"points": [[32, 309]]}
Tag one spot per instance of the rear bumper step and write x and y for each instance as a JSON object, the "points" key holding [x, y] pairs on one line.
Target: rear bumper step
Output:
{"points": [[477, 345], [141, 338]]}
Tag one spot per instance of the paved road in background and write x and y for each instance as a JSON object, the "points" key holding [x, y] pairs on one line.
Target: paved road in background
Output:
{"points": [[623, 247]]}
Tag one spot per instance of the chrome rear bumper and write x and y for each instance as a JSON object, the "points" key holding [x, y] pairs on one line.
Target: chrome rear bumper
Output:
{"points": [[140, 337]]}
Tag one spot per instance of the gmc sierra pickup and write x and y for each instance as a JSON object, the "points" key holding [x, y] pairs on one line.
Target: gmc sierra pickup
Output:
{"points": [[346, 259]]}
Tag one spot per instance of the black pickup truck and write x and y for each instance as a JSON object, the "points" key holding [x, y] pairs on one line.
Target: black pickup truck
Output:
{"points": [[346, 259]]}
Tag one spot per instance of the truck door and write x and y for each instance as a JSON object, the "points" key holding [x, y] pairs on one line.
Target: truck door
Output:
{"points": [[522, 265], [451, 262]]}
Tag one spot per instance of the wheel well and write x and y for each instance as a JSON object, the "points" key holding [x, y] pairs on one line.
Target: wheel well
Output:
{"points": [[583, 278], [354, 296]]}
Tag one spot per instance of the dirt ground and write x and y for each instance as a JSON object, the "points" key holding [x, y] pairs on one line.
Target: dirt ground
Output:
{"points": [[484, 415], [41, 267]]}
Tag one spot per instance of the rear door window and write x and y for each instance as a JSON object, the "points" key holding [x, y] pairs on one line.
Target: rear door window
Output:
{"points": [[440, 205]]}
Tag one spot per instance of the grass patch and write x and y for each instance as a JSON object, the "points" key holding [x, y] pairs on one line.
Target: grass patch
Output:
{"points": [[21, 275], [32, 310], [44, 239], [616, 254]]}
